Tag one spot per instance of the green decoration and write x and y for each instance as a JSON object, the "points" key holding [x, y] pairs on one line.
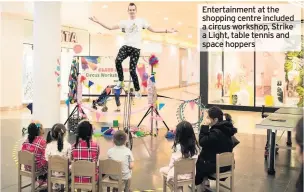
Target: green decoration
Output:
{"points": [[180, 111], [140, 134], [115, 123], [289, 65], [97, 134], [99, 60]]}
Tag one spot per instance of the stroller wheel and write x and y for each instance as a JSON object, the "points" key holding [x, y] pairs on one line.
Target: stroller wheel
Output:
{"points": [[94, 105], [104, 109]]}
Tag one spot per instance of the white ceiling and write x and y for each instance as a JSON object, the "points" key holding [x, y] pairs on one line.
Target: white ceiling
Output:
{"points": [[180, 15]]}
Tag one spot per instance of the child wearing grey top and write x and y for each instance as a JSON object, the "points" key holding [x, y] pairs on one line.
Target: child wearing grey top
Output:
{"points": [[122, 154]]}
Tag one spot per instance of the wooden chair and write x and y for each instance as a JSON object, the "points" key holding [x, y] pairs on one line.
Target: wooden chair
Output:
{"points": [[26, 158], [58, 164], [223, 160], [85, 169], [184, 166], [109, 168]]}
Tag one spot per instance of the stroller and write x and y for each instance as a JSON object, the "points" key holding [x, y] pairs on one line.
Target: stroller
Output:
{"points": [[102, 99], [104, 96]]}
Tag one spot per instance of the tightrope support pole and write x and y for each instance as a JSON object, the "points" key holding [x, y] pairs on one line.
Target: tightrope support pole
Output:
{"points": [[153, 106]]}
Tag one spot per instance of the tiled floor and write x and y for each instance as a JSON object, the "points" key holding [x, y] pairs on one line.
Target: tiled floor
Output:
{"points": [[151, 153]]}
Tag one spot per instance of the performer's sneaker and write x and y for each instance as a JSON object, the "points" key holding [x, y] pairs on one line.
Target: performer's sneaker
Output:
{"points": [[117, 110], [137, 94], [120, 84]]}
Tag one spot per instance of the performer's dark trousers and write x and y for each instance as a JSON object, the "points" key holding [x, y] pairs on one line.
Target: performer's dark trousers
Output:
{"points": [[133, 53]]}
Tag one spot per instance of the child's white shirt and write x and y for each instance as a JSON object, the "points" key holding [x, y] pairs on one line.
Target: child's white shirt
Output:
{"points": [[176, 156], [123, 155], [52, 149]]}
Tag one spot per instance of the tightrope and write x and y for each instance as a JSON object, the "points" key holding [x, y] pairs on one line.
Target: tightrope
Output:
{"points": [[112, 113]]}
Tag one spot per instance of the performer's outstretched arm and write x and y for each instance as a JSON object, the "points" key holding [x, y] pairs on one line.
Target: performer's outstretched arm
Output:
{"points": [[94, 19], [162, 31]]}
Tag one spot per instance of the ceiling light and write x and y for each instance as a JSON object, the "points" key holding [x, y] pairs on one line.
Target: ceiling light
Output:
{"points": [[189, 36], [179, 23], [166, 18], [105, 6]]}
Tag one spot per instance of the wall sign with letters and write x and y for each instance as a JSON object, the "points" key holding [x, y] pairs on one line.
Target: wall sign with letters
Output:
{"points": [[69, 37]]}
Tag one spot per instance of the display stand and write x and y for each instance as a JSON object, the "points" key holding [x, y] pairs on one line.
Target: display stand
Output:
{"points": [[73, 117], [152, 109]]}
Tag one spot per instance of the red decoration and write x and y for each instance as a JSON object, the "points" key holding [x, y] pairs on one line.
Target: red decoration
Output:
{"points": [[108, 90], [82, 78], [84, 61], [219, 83], [192, 103], [145, 83], [77, 49]]}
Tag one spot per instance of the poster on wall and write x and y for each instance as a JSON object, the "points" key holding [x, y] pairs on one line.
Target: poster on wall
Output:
{"points": [[100, 71]]}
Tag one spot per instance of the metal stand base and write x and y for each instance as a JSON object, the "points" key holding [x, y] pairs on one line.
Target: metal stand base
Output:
{"points": [[289, 142], [271, 158], [151, 110]]}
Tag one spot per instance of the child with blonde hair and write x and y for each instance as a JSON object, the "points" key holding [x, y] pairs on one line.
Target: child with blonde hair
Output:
{"points": [[122, 154]]}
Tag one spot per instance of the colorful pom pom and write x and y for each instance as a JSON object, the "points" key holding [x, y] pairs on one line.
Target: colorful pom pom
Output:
{"points": [[153, 60]]}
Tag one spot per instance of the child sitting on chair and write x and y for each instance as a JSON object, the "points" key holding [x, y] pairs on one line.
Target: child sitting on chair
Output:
{"points": [[122, 154], [85, 148], [56, 145], [36, 144], [185, 146]]}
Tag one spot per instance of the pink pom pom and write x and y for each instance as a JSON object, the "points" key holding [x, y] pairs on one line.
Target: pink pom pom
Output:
{"points": [[134, 129], [113, 132]]}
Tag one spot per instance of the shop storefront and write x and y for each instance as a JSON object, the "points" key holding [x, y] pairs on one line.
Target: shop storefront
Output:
{"points": [[249, 80]]}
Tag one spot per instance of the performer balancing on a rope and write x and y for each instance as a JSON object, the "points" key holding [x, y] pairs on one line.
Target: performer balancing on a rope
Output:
{"points": [[132, 44]]}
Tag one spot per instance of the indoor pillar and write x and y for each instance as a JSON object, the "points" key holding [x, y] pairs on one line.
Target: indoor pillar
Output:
{"points": [[47, 45], [11, 60]]}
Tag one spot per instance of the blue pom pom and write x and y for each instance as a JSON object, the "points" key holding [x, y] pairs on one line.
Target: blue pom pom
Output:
{"points": [[170, 135]]}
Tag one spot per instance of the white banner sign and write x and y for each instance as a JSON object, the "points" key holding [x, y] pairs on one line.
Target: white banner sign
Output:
{"points": [[101, 72]]}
